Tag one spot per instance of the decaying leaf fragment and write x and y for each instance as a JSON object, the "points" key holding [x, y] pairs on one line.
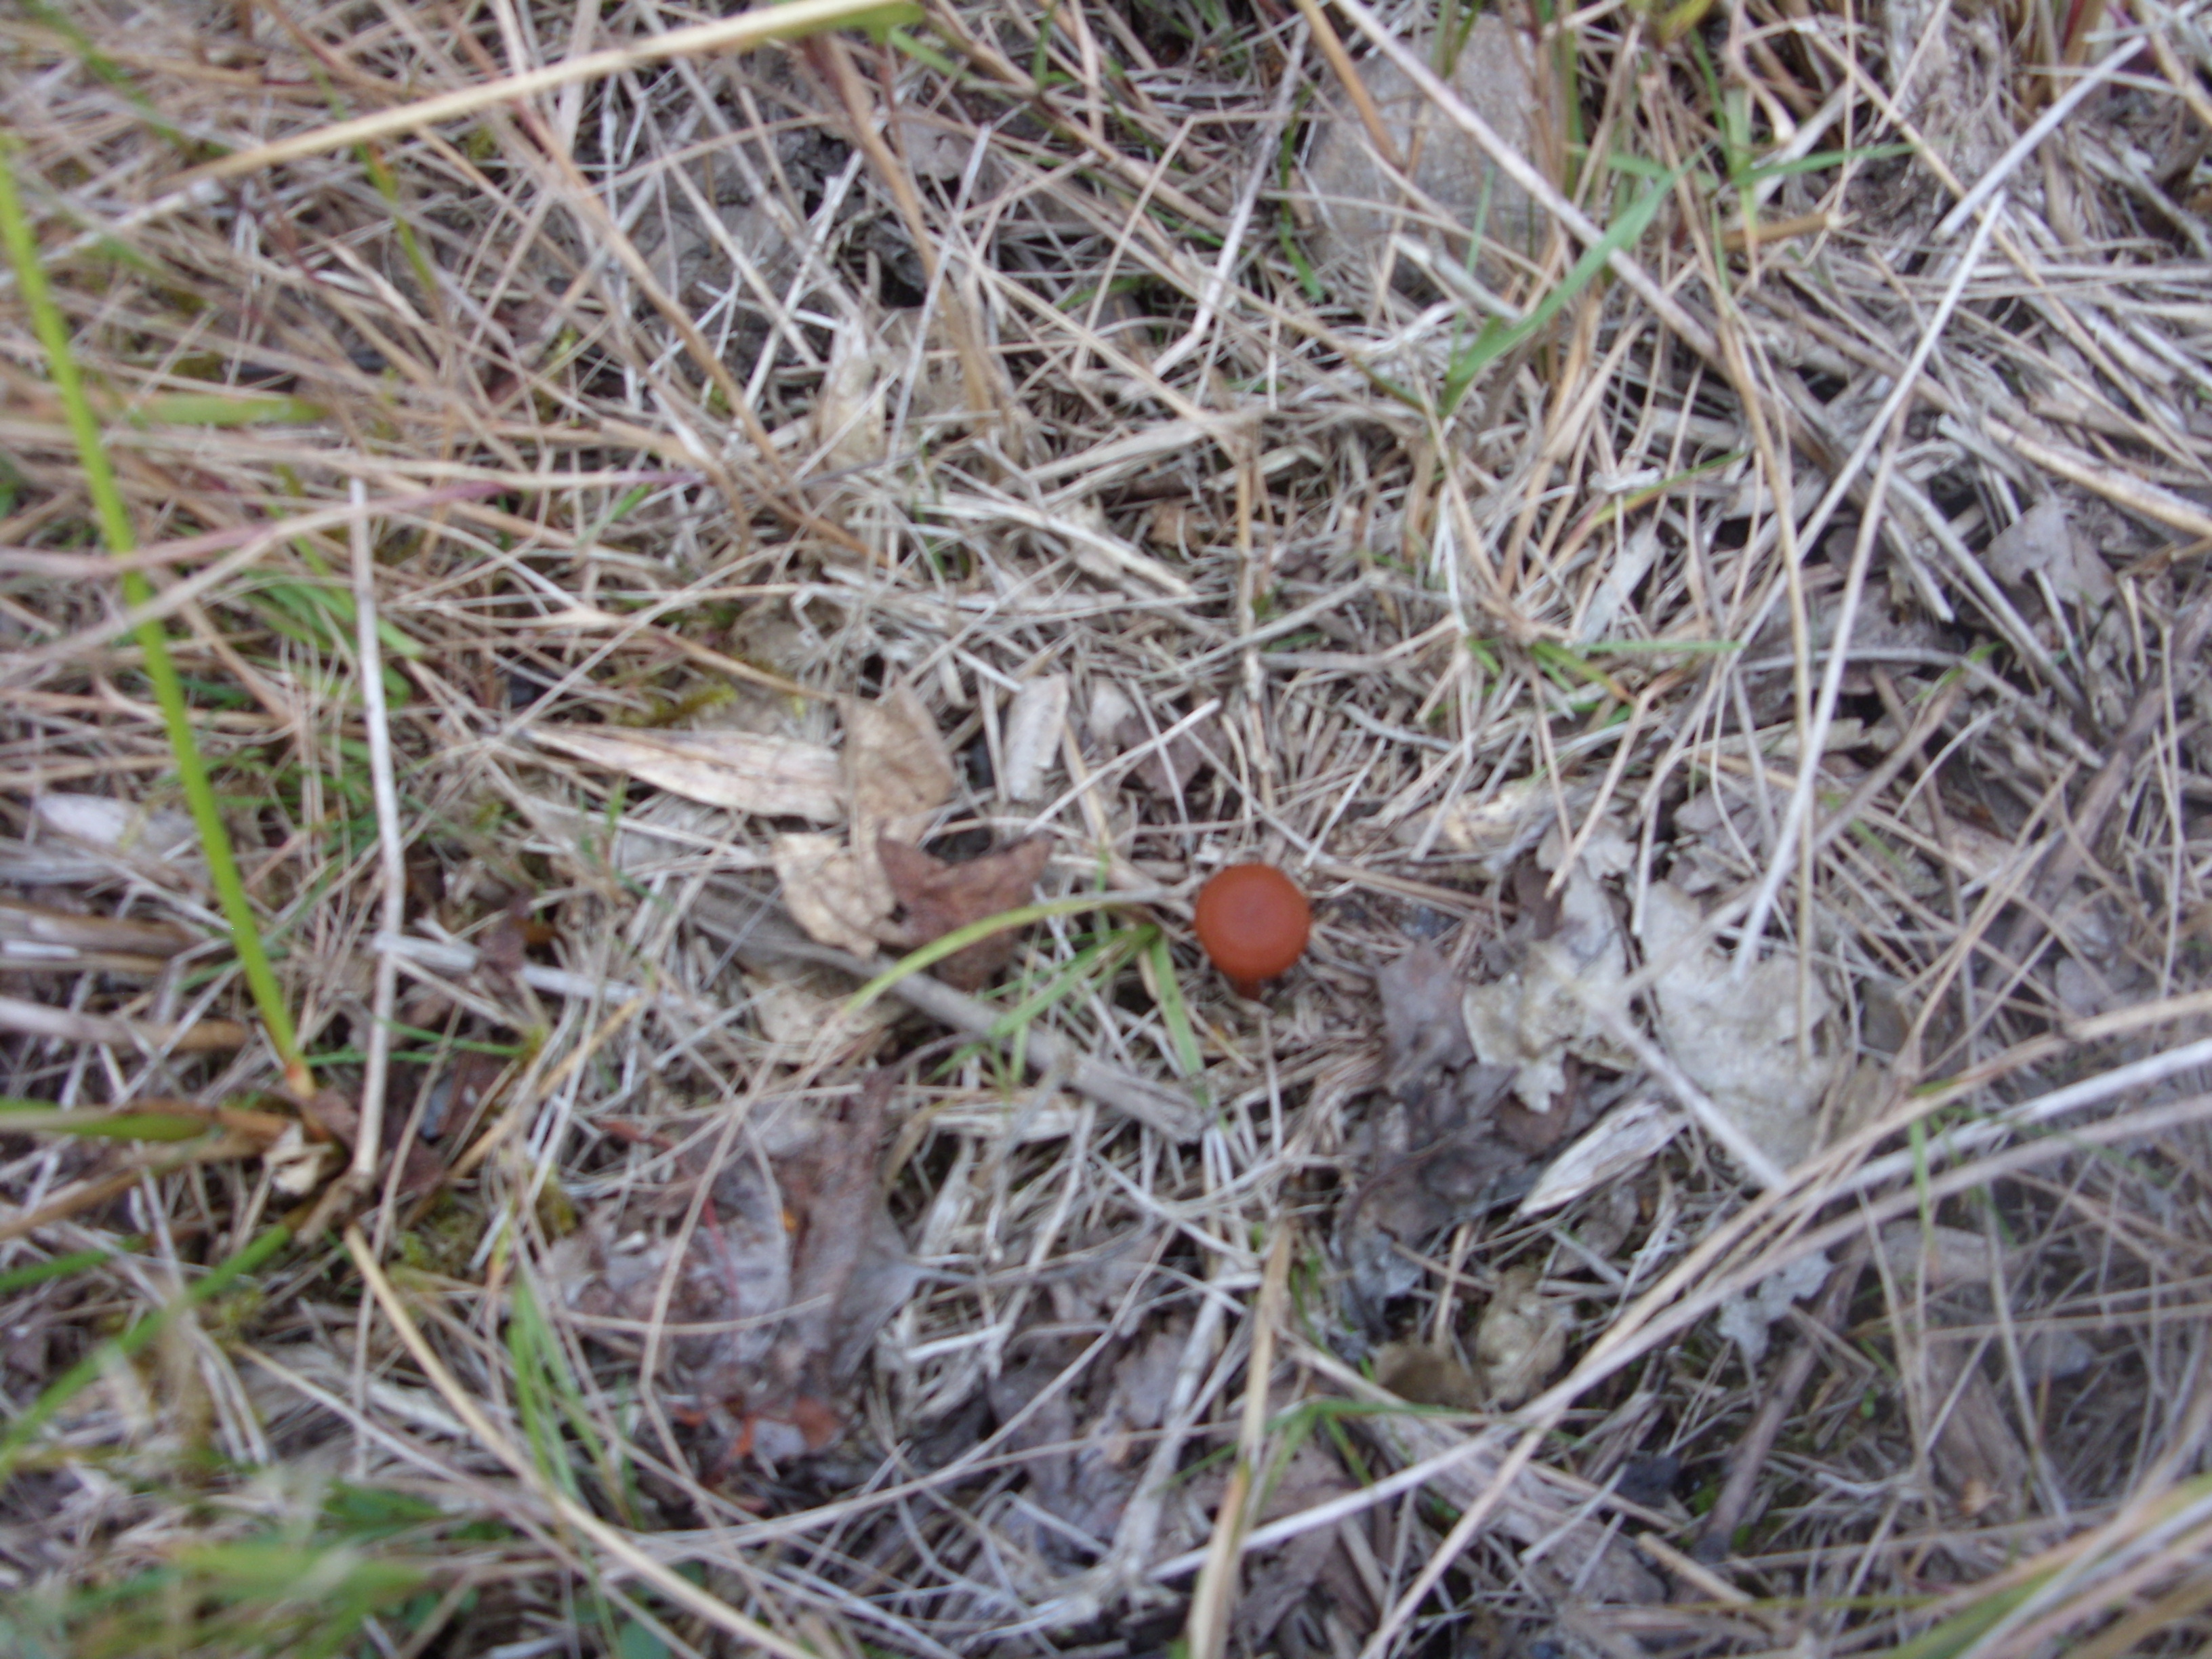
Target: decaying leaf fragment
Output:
{"points": [[1316, 1565], [773, 1301], [1423, 1025], [1034, 725], [1624, 1139], [850, 1271], [336, 1116], [892, 775], [1534, 1016], [742, 771], [896, 768], [2043, 542], [1424, 1374], [1735, 1032], [161, 842], [1744, 1320], [848, 410], [1521, 1338], [940, 897], [297, 1165], [829, 893]]}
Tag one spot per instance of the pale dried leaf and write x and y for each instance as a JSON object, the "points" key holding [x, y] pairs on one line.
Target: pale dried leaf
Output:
{"points": [[1734, 1034], [898, 770], [297, 1165], [1624, 1139], [153, 836], [1743, 1320], [1034, 724], [829, 893], [1109, 709], [1533, 1017], [772, 777], [794, 1012], [1947, 1255], [848, 407], [2044, 541], [1495, 828]]}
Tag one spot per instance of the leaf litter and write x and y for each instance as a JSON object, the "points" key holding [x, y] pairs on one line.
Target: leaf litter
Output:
{"points": [[1553, 606], [771, 1258], [939, 897]]}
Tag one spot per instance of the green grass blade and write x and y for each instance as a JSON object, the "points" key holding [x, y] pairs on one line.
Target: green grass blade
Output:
{"points": [[38, 1272], [1498, 339], [116, 530], [69, 1383], [222, 409], [1175, 1014], [960, 938], [39, 1117]]}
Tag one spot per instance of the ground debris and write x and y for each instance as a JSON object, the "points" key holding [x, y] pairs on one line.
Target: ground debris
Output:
{"points": [[741, 771], [774, 1297], [1734, 1030], [940, 897], [1567, 959]]}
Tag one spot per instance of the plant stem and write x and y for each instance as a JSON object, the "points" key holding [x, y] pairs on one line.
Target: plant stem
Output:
{"points": [[153, 640]]}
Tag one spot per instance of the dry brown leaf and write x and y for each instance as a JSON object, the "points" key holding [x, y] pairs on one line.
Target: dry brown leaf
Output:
{"points": [[827, 892], [501, 947], [1168, 768], [781, 1288], [1977, 1452], [849, 1272], [1422, 1374], [420, 1169], [940, 897], [1316, 1565], [897, 770], [771, 777]]}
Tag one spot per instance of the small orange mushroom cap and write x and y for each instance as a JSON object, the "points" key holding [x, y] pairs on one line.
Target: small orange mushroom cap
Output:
{"points": [[1253, 920]]}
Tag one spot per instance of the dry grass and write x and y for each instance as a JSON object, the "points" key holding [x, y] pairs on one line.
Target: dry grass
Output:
{"points": [[691, 393]]}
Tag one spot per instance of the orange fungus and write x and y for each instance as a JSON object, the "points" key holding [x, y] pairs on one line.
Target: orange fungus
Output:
{"points": [[1253, 921]]}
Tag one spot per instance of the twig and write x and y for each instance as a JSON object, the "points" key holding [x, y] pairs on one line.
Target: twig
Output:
{"points": [[390, 849], [151, 1036]]}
